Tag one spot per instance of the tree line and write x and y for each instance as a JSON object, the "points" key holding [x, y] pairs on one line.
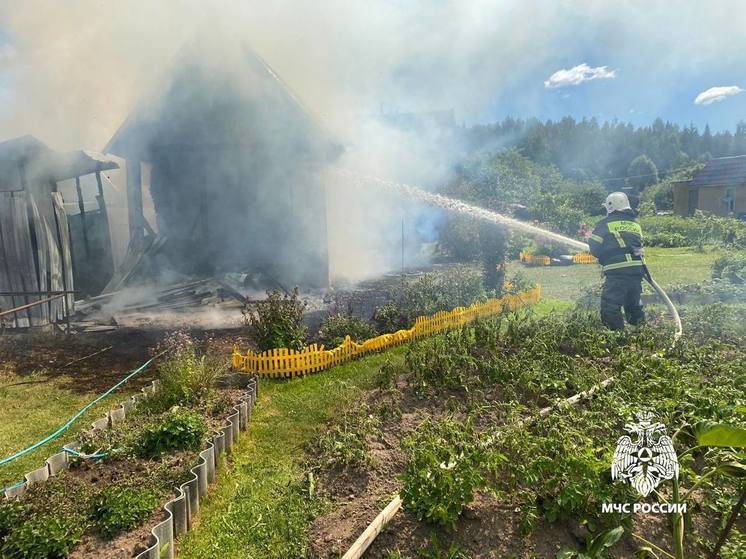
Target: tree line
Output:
{"points": [[610, 152]]}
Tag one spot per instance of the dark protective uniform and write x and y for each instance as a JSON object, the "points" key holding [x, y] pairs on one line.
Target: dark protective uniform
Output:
{"points": [[614, 242]]}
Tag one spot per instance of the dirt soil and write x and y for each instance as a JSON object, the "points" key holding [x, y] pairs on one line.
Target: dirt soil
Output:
{"points": [[56, 354], [488, 528]]}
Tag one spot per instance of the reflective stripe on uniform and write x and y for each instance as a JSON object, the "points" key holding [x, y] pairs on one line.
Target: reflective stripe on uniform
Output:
{"points": [[628, 264], [617, 227], [597, 238]]}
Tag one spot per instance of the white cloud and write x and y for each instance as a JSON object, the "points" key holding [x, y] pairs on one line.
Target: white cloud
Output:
{"points": [[577, 75], [715, 94]]}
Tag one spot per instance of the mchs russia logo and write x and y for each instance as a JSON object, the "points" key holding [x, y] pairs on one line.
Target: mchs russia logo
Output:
{"points": [[644, 458]]}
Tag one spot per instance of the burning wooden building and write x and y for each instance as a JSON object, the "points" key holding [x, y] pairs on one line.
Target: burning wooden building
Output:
{"points": [[233, 161], [48, 253]]}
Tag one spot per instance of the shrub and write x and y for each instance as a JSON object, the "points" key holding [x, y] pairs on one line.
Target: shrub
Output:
{"points": [[337, 326], [459, 238], [187, 378], [43, 537], [659, 196], [666, 239], [693, 231], [442, 362], [116, 509], [518, 283], [445, 466], [389, 317], [427, 295], [277, 321], [731, 268], [178, 430]]}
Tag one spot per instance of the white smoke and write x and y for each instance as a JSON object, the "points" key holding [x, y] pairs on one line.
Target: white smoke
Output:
{"points": [[71, 72]]}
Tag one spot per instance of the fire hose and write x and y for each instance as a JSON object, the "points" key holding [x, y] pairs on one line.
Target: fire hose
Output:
{"points": [[458, 206], [657, 288]]}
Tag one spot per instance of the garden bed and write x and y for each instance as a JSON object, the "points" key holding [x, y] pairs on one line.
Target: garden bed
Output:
{"points": [[447, 424], [105, 503]]}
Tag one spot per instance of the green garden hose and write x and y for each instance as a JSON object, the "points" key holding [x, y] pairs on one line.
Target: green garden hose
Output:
{"points": [[82, 411]]}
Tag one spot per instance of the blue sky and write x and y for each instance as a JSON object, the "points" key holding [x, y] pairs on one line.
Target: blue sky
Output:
{"points": [[486, 59]]}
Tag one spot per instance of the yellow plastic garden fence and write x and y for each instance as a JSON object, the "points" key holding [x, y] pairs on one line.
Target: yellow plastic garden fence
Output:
{"points": [[532, 260], [288, 363], [584, 258]]}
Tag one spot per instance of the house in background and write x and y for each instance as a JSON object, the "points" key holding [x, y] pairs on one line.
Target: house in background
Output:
{"points": [[719, 188]]}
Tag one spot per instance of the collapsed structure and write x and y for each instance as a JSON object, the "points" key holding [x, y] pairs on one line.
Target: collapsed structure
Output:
{"points": [[44, 253], [233, 159]]}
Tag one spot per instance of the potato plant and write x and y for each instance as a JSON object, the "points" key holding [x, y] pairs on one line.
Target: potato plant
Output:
{"points": [[559, 465], [446, 465]]}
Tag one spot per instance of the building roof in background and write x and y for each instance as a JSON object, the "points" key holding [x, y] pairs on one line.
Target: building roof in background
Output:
{"points": [[722, 171], [39, 160]]}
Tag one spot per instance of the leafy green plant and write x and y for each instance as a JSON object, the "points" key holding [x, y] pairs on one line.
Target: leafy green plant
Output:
{"points": [[11, 516], [277, 321], [49, 536], [345, 444], [596, 546], [446, 465], [119, 509], [436, 550], [186, 377], [179, 429], [336, 327], [731, 267], [428, 294], [389, 317], [442, 362]]}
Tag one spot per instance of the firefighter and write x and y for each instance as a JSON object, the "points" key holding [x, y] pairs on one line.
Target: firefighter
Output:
{"points": [[617, 243]]}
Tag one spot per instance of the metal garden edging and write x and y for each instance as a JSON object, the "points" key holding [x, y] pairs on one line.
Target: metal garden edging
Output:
{"points": [[61, 460], [181, 509]]}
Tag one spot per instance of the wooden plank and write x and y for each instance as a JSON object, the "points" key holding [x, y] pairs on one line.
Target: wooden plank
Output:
{"points": [[41, 241], [5, 258], [16, 263], [54, 269], [27, 256], [372, 531], [63, 240]]}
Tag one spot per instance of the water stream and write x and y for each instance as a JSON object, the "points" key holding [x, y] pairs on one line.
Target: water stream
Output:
{"points": [[460, 207]]}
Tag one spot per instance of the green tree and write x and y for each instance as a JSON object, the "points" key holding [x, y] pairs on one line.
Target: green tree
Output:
{"points": [[642, 172], [493, 246]]}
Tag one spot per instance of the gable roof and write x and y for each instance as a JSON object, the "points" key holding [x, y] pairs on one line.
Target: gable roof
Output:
{"points": [[723, 171]]}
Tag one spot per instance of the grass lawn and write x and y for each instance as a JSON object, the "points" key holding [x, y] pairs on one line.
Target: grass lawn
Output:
{"points": [[260, 506], [669, 266], [30, 412]]}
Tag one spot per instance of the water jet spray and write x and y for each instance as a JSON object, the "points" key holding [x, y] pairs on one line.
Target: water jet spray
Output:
{"points": [[457, 206]]}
